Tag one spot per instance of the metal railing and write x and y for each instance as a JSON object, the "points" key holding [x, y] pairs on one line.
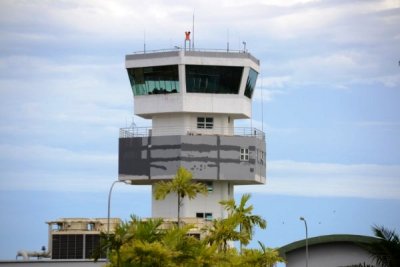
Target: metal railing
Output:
{"points": [[171, 130], [177, 48], [195, 51]]}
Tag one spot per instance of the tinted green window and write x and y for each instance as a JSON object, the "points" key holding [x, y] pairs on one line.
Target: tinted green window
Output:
{"points": [[250, 83], [154, 80], [213, 79]]}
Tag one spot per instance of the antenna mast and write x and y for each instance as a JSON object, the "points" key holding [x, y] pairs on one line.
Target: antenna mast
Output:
{"points": [[227, 41], [262, 105], [193, 31], [144, 41]]}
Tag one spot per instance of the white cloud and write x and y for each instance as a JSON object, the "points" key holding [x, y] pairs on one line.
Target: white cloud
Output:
{"points": [[50, 155], [335, 67], [287, 3], [330, 180], [342, 69], [45, 168], [374, 124], [89, 92], [270, 87], [62, 182], [275, 82]]}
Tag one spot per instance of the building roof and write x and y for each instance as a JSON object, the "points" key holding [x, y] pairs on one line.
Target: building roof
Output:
{"points": [[194, 53], [326, 239]]}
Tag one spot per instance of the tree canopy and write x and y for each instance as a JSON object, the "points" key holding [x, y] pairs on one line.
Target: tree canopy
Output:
{"points": [[153, 242], [182, 185], [386, 250]]}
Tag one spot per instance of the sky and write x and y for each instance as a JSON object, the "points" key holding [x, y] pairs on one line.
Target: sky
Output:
{"points": [[327, 98]]}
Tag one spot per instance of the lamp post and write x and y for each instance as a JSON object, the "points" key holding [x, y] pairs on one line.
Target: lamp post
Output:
{"points": [[109, 206], [305, 224]]}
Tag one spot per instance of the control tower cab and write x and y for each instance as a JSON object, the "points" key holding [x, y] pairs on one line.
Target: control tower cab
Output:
{"points": [[193, 99]]}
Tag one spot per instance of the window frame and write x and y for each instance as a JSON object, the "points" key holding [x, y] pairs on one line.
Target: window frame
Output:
{"points": [[205, 122], [208, 216], [212, 79], [154, 80], [244, 154], [251, 83], [210, 186]]}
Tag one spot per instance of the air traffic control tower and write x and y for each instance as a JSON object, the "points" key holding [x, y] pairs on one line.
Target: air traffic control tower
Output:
{"points": [[193, 99]]}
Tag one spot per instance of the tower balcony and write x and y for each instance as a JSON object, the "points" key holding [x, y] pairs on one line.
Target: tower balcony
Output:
{"points": [[235, 155], [178, 130]]}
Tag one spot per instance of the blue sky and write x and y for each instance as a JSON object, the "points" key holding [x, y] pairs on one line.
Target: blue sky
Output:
{"points": [[330, 82]]}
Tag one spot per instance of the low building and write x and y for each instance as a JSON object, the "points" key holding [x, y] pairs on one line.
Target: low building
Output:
{"points": [[73, 240], [76, 238], [329, 251], [71, 243]]}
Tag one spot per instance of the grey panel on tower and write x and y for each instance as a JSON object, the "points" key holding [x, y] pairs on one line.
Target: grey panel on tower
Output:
{"points": [[240, 159]]}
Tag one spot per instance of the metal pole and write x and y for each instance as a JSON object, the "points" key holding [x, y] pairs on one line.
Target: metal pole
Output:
{"points": [[109, 208], [305, 224]]}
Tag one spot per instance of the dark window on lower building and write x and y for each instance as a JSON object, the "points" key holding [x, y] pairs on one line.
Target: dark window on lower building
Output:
{"points": [[92, 243], [204, 215], [72, 246], [67, 247], [210, 186]]}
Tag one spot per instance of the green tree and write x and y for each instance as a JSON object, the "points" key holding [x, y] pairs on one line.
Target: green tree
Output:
{"points": [[112, 243], [150, 242], [185, 246], [221, 232], [205, 255], [148, 230], [143, 254], [182, 186], [263, 257], [242, 215], [385, 251]]}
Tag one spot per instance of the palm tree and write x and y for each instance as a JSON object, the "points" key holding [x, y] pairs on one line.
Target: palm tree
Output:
{"points": [[147, 230], [143, 253], [114, 242], [386, 250], [242, 216], [185, 246], [269, 256], [221, 232], [181, 185]]}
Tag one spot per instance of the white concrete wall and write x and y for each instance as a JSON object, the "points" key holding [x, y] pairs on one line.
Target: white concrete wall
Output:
{"points": [[237, 106], [183, 123], [167, 208], [170, 124], [329, 255]]}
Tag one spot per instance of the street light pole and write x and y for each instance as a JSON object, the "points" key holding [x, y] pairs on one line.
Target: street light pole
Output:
{"points": [[305, 223], [109, 206]]}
